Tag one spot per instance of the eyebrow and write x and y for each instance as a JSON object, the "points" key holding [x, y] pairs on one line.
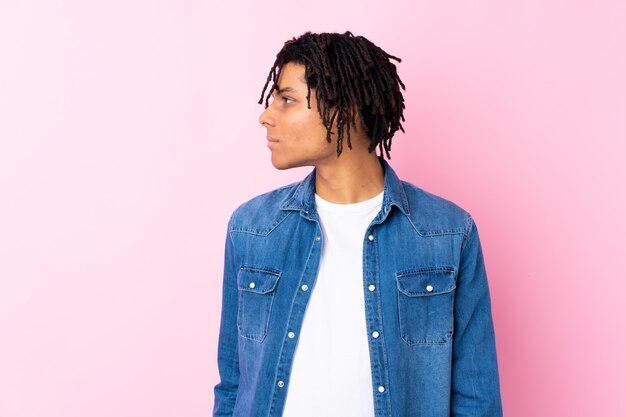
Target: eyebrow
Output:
{"points": [[285, 90]]}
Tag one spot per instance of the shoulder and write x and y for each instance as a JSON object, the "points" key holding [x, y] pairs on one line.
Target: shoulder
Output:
{"points": [[261, 213], [433, 214]]}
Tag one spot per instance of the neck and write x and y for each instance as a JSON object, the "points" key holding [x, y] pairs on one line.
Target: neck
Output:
{"points": [[353, 177]]}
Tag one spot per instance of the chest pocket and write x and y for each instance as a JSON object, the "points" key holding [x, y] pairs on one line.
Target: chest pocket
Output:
{"points": [[256, 296], [425, 305]]}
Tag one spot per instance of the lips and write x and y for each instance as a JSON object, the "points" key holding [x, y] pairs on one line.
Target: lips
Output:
{"points": [[271, 142]]}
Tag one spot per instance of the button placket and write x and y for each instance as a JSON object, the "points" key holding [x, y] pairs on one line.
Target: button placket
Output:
{"points": [[375, 328], [294, 322]]}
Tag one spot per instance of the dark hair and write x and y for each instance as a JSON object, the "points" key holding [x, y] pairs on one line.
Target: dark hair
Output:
{"points": [[348, 73]]}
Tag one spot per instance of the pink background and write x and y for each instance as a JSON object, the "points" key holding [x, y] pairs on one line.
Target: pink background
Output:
{"points": [[128, 133]]}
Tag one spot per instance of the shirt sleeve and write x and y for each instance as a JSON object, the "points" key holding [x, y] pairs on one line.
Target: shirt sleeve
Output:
{"points": [[227, 350], [475, 380]]}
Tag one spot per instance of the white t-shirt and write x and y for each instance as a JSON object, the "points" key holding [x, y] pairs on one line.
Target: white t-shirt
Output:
{"points": [[331, 374]]}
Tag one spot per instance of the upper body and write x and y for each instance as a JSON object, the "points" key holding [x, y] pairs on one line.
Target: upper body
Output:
{"points": [[427, 309]]}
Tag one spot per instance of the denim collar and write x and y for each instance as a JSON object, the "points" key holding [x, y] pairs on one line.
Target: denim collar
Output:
{"points": [[303, 198]]}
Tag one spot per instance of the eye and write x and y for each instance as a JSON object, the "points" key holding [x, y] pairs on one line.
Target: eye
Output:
{"points": [[287, 100]]}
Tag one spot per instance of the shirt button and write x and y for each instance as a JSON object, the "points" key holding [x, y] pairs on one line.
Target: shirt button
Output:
{"points": [[381, 388], [371, 237], [371, 287], [291, 335], [252, 285], [282, 384], [429, 288], [317, 238], [304, 287], [375, 334]]}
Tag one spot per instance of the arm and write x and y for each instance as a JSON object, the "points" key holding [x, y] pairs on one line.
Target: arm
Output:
{"points": [[227, 350], [475, 381]]}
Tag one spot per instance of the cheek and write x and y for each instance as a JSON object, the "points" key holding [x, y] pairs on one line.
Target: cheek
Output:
{"points": [[303, 130], [306, 129], [315, 127]]}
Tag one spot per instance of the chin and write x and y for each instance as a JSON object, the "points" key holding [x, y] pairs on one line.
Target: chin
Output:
{"points": [[280, 165], [283, 165]]}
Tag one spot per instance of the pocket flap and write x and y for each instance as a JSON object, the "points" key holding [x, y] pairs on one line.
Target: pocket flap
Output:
{"points": [[426, 282], [259, 280]]}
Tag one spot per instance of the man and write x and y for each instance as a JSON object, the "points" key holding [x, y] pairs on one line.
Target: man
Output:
{"points": [[351, 293]]}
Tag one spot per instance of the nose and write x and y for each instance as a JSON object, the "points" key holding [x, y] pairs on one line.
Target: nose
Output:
{"points": [[265, 118]]}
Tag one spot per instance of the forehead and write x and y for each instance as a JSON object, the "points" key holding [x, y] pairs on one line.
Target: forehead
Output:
{"points": [[292, 75]]}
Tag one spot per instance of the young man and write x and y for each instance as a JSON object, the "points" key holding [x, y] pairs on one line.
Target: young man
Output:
{"points": [[351, 293]]}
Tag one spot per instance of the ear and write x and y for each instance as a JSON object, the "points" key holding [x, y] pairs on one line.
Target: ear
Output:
{"points": [[356, 129]]}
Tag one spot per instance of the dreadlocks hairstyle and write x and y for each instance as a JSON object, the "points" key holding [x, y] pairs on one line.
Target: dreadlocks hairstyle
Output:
{"points": [[349, 73]]}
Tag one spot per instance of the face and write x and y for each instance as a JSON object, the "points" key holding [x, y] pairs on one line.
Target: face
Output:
{"points": [[296, 136]]}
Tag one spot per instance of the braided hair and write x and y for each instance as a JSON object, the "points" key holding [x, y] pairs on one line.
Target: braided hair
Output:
{"points": [[349, 73]]}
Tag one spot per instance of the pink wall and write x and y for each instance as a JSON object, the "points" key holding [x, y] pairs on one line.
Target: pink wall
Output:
{"points": [[128, 134]]}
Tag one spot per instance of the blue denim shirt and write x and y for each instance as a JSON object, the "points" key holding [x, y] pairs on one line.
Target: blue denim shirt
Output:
{"points": [[430, 304]]}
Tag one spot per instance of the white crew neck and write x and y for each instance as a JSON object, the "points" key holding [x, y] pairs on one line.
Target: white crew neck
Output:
{"points": [[361, 206]]}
